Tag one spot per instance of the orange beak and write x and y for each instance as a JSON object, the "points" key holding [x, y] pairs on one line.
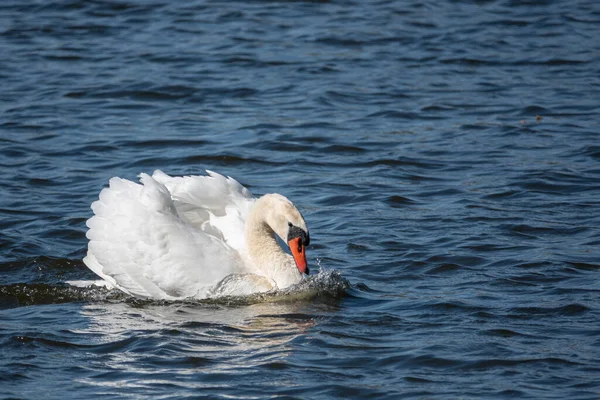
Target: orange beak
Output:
{"points": [[299, 254]]}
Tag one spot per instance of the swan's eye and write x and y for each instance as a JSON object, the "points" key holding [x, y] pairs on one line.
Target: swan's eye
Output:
{"points": [[290, 224]]}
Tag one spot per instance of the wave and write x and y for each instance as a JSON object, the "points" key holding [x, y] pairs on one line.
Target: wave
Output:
{"points": [[324, 286]]}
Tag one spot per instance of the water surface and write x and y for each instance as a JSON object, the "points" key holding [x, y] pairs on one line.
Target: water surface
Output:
{"points": [[445, 156]]}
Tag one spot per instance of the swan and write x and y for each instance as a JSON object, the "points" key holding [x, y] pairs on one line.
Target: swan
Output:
{"points": [[194, 236]]}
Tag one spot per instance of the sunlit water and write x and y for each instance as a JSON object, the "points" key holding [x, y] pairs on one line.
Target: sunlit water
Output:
{"points": [[446, 157]]}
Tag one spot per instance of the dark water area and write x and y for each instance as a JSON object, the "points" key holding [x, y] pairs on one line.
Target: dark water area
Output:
{"points": [[446, 156]]}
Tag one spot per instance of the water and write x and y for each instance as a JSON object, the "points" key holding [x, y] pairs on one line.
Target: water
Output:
{"points": [[445, 156]]}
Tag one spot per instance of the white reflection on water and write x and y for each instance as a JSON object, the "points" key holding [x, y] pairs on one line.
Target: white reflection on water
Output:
{"points": [[177, 344]]}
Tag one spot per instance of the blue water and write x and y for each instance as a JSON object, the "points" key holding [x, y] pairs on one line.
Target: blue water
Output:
{"points": [[446, 156]]}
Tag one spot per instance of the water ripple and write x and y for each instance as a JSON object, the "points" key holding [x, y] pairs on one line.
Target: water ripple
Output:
{"points": [[444, 155]]}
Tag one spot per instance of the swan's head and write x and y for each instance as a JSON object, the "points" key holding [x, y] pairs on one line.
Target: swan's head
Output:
{"points": [[287, 222]]}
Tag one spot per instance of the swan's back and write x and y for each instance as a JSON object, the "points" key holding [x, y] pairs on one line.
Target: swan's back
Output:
{"points": [[216, 204]]}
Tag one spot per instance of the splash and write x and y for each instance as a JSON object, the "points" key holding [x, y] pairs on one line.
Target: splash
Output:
{"points": [[326, 285]]}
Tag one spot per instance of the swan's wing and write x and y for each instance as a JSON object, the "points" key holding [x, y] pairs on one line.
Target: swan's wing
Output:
{"points": [[139, 244], [215, 204]]}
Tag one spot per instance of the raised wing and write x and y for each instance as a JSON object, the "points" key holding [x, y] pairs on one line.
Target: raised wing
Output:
{"points": [[215, 204], [139, 243]]}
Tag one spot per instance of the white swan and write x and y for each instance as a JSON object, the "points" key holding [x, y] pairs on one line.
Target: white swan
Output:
{"points": [[180, 237]]}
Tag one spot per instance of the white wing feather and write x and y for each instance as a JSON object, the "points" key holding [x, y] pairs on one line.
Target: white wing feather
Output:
{"points": [[215, 204], [139, 242]]}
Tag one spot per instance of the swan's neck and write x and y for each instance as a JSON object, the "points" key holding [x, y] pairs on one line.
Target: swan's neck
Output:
{"points": [[265, 254]]}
